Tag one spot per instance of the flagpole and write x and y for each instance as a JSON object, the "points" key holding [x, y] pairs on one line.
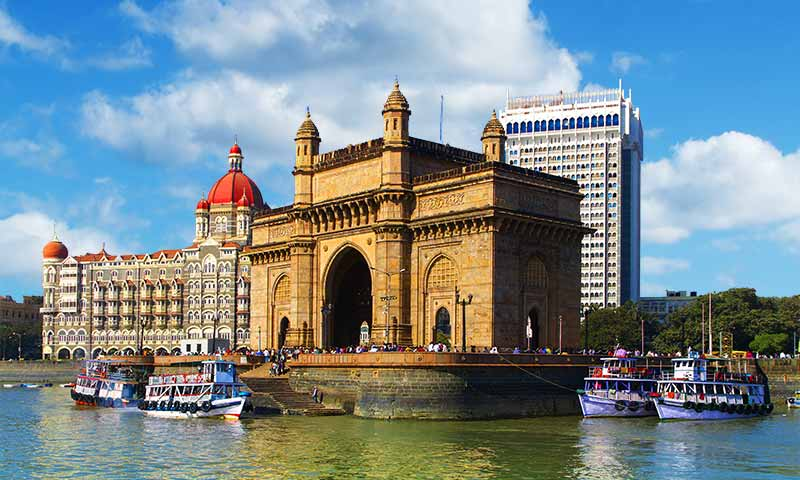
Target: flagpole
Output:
{"points": [[710, 335]]}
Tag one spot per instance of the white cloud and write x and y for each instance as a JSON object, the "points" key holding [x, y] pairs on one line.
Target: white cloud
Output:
{"points": [[622, 62], [661, 266], [25, 234], [653, 132], [652, 289], [14, 34], [340, 60], [42, 154], [726, 244], [727, 280], [789, 234], [724, 182], [131, 54]]}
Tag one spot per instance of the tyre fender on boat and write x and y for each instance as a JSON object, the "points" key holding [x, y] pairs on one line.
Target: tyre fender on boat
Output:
{"points": [[108, 402], [206, 406], [688, 405], [723, 407], [162, 405], [193, 408], [633, 405], [770, 407], [619, 405], [699, 407], [748, 409], [740, 408]]}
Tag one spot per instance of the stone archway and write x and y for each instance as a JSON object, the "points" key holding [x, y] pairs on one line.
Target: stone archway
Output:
{"points": [[533, 320], [443, 327], [282, 331], [348, 288], [79, 354], [64, 354]]}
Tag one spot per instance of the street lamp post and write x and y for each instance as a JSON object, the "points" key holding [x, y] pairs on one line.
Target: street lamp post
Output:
{"points": [[586, 330], [463, 302], [259, 338], [214, 334], [387, 299]]}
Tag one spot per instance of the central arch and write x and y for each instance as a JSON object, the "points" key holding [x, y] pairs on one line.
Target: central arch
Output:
{"points": [[348, 288]]}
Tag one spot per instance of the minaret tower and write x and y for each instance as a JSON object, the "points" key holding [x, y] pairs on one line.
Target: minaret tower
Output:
{"points": [[396, 171], [243, 217], [494, 139], [235, 157], [201, 214], [307, 147]]}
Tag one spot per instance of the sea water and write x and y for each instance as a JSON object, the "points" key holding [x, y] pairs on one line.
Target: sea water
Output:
{"points": [[43, 435]]}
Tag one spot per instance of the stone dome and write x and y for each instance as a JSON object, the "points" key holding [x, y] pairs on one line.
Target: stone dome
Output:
{"points": [[55, 250], [396, 99], [493, 127]]}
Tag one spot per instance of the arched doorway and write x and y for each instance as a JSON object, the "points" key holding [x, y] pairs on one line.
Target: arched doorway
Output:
{"points": [[79, 354], [284, 327], [97, 352], [533, 324], [63, 354], [443, 327], [349, 289]]}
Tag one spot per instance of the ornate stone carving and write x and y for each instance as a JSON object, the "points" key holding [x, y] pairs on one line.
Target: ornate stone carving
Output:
{"points": [[441, 201]]}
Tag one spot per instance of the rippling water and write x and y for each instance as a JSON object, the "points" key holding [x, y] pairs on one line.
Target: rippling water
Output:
{"points": [[42, 435]]}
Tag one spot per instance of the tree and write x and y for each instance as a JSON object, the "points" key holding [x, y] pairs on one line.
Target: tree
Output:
{"points": [[769, 343], [620, 326]]}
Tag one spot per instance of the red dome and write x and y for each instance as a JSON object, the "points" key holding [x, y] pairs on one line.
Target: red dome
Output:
{"points": [[235, 149], [230, 189], [55, 250], [202, 204]]}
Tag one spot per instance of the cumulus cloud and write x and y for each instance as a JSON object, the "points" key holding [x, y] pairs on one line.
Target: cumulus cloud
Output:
{"points": [[724, 182], [661, 266], [131, 54], [42, 154], [13, 34], [338, 58], [653, 133], [25, 233], [622, 62]]}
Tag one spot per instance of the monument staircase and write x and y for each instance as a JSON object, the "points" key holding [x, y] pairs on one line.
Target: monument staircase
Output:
{"points": [[273, 395]]}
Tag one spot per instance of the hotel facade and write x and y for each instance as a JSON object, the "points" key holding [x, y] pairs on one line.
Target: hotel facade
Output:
{"points": [[596, 139], [106, 304]]}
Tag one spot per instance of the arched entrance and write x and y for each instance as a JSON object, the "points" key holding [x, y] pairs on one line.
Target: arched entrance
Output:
{"points": [[533, 323], [97, 352], [443, 328], [63, 354], [79, 354], [284, 327], [349, 289]]}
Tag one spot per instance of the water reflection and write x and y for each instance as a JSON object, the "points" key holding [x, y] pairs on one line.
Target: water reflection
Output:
{"points": [[46, 437]]}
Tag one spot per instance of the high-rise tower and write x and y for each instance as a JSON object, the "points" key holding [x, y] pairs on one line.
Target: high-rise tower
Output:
{"points": [[594, 138]]}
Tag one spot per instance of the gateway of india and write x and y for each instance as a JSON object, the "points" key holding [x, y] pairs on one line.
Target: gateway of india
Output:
{"points": [[407, 241]]}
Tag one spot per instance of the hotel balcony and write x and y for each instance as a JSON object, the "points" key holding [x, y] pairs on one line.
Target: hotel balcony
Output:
{"points": [[176, 309], [98, 311], [145, 309], [129, 295]]}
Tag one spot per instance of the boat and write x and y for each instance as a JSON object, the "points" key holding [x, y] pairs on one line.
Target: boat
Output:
{"points": [[31, 385], [620, 388], [691, 392], [793, 402], [67, 385], [109, 383], [214, 391], [10, 385]]}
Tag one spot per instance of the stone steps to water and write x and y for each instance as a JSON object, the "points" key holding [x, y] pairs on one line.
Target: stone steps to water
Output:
{"points": [[274, 393]]}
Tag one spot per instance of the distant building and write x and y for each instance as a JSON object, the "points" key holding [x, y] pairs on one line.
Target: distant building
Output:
{"points": [[106, 304], [661, 307], [596, 139], [20, 314]]}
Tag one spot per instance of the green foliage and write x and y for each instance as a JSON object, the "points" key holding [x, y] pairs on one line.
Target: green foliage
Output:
{"points": [[738, 311], [770, 343], [620, 326]]}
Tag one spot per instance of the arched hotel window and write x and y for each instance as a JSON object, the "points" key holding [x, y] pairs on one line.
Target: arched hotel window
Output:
{"points": [[558, 124], [516, 127], [565, 124], [544, 126], [585, 122], [508, 127], [572, 123], [616, 119], [550, 125], [600, 121], [536, 126], [580, 122], [608, 120], [530, 126], [523, 127], [594, 120]]}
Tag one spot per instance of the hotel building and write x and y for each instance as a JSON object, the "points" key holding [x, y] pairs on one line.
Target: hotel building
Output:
{"points": [[594, 138]]}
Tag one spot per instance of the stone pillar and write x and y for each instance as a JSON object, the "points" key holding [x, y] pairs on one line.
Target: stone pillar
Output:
{"points": [[391, 279], [302, 286]]}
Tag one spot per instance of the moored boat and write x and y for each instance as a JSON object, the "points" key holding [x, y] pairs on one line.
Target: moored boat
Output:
{"points": [[793, 402], [109, 383], [620, 388], [690, 393], [214, 391]]}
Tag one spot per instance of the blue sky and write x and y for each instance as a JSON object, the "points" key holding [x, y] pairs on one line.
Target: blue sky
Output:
{"points": [[116, 117]]}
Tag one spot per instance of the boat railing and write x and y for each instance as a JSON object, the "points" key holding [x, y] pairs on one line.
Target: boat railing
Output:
{"points": [[620, 394], [726, 377], [180, 378]]}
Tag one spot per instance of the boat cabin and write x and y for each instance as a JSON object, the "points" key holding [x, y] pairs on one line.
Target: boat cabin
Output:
{"points": [[690, 368], [616, 366], [219, 371]]}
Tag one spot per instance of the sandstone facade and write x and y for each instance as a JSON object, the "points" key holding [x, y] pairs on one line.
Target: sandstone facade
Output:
{"points": [[384, 237]]}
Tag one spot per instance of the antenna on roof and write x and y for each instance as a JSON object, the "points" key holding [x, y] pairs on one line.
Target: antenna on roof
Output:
{"points": [[235, 139], [441, 116]]}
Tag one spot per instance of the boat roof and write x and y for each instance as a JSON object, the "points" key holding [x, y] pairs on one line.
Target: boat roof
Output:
{"points": [[228, 362], [606, 359]]}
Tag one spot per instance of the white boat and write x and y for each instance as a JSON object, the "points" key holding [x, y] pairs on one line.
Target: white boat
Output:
{"points": [[793, 402], [620, 388], [109, 383], [10, 385], [691, 394], [214, 391]]}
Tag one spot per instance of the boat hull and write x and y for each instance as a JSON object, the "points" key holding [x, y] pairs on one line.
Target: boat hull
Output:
{"points": [[592, 406], [670, 411], [102, 402], [227, 408]]}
